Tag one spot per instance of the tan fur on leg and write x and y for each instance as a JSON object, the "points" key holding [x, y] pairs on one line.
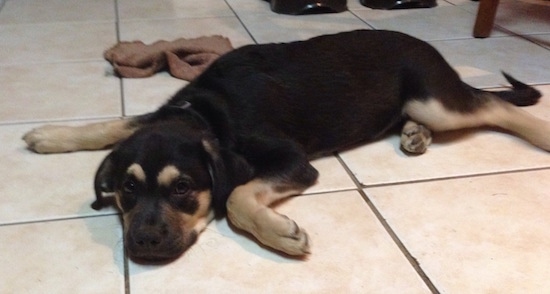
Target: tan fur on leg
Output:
{"points": [[494, 112], [248, 209], [58, 139]]}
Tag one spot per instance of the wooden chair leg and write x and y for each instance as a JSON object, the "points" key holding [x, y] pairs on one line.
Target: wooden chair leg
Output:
{"points": [[485, 19]]}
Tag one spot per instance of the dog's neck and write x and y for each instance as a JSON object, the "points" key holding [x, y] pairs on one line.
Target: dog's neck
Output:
{"points": [[185, 105], [187, 113], [208, 115]]}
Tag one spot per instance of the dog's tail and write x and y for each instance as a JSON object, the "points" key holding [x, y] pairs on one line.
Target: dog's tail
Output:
{"points": [[519, 94]]}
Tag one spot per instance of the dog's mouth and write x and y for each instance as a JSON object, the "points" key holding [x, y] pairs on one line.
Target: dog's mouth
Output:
{"points": [[153, 259], [159, 250]]}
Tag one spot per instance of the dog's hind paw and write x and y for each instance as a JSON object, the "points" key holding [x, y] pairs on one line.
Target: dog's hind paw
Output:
{"points": [[49, 139], [415, 138]]}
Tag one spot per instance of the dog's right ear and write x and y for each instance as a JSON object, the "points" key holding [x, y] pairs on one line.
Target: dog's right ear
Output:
{"points": [[103, 182], [227, 170]]}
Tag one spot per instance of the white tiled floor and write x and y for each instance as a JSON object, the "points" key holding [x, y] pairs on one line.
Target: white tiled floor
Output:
{"points": [[470, 216]]}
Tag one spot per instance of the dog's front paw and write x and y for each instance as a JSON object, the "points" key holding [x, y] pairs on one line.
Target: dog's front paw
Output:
{"points": [[50, 139], [415, 138], [273, 230], [286, 236]]}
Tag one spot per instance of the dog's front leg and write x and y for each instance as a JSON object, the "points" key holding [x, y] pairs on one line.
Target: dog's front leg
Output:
{"points": [[248, 209], [58, 139]]}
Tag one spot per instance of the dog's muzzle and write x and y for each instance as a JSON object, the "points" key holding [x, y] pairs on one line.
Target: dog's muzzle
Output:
{"points": [[157, 242]]}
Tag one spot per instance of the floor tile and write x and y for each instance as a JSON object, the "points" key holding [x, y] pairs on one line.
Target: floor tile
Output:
{"points": [[38, 187], [542, 40], [43, 11], [468, 5], [351, 254], [72, 256], [524, 17], [332, 176], [452, 154], [524, 60], [475, 235], [58, 91], [282, 28], [354, 5], [146, 95], [439, 23], [150, 31], [143, 9], [55, 42], [517, 16], [247, 7]]}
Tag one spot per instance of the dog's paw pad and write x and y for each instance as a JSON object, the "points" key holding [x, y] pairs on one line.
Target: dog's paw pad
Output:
{"points": [[48, 139], [297, 242], [415, 139]]}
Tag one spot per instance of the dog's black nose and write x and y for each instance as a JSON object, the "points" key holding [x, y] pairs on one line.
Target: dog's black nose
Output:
{"points": [[148, 240]]}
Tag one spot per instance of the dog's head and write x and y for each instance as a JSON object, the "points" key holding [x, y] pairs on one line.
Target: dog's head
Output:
{"points": [[165, 179]]}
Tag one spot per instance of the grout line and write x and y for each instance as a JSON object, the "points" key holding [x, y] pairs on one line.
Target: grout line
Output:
{"points": [[526, 37], [161, 18], [55, 22], [117, 21], [56, 219], [122, 100], [123, 113], [126, 262], [52, 61], [61, 120], [488, 174], [241, 22], [412, 260], [120, 80], [362, 20], [315, 193]]}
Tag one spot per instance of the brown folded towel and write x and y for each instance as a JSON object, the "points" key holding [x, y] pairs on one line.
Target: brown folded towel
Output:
{"points": [[183, 58]]}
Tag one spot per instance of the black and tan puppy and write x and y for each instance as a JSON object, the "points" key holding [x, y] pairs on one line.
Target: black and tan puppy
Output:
{"points": [[239, 137]]}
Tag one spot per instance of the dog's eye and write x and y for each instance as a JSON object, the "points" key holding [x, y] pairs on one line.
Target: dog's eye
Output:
{"points": [[129, 186], [181, 188]]}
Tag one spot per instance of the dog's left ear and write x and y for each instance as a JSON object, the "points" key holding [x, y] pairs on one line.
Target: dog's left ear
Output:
{"points": [[221, 186], [103, 182], [227, 170]]}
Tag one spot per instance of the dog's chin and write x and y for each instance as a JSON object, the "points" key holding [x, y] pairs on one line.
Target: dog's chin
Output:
{"points": [[157, 257], [154, 259], [164, 255]]}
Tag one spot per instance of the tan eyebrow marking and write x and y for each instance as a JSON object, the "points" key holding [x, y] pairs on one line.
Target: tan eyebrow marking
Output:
{"points": [[137, 171], [167, 175]]}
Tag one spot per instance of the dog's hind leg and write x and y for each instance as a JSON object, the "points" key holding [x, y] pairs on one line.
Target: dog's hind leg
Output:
{"points": [[522, 123], [491, 112], [58, 139], [456, 105]]}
